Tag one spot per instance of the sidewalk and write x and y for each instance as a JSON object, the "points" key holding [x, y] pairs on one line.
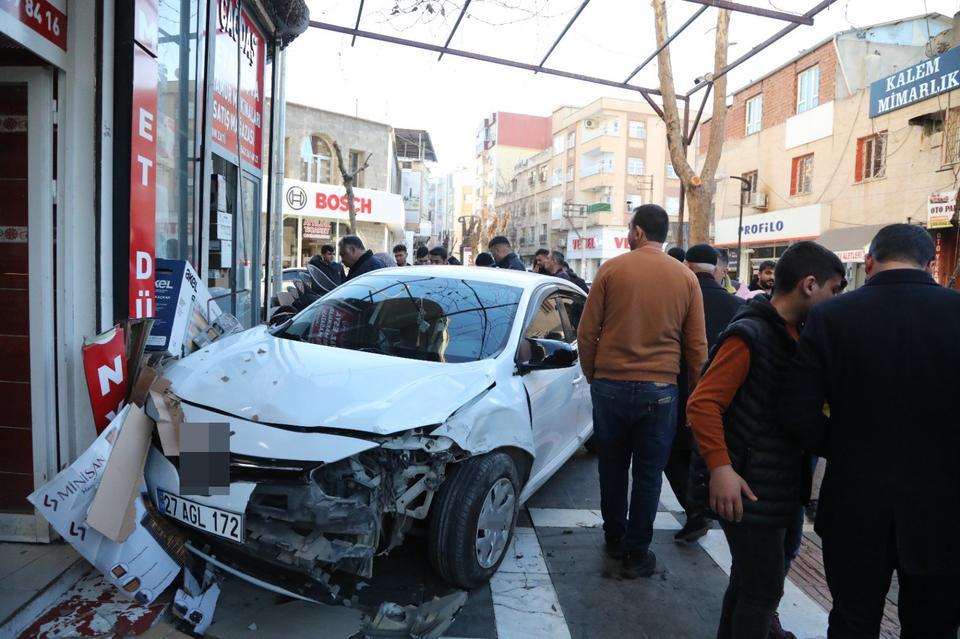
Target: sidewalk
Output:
{"points": [[32, 578]]}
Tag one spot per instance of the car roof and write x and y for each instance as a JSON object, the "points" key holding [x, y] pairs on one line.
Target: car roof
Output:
{"points": [[509, 277]]}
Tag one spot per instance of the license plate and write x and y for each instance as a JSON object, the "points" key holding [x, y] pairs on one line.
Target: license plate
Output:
{"points": [[202, 517]]}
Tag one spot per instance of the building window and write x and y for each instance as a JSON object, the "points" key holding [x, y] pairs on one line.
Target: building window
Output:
{"points": [[571, 139], [638, 130], [871, 157], [570, 173], [635, 166], [558, 144], [671, 173], [316, 160], [672, 205], [557, 177], [801, 177], [746, 195], [754, 114], [356, 161], [808, 89], [951, 137]]}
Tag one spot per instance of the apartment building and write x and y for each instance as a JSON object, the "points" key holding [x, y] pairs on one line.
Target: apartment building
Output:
{"points": [[576, 194], [503, 139], [859, 131], [417, 157]]}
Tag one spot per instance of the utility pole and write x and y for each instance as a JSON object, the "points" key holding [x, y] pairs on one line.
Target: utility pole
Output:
{"points": [[745, 187]]}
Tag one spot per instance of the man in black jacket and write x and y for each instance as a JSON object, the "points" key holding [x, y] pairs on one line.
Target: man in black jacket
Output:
{"points": [[330, 268], [504, 255], [885, 358], [357, 258], [719, 307]]}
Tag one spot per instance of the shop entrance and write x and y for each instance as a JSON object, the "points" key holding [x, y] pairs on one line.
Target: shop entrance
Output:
{"points": [[27, 283]]}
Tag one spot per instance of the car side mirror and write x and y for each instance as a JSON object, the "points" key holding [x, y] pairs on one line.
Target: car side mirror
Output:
{"points": [[546, 354]]}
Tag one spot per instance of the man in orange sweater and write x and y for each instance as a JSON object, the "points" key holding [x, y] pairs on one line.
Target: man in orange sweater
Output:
{"points": [[644, 312], [734, 414]]}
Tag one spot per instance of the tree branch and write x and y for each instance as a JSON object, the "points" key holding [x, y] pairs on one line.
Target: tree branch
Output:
{"points": [[671, 114], [719, 118]]}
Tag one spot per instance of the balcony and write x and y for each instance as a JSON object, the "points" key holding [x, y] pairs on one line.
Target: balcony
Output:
{"points": [[604, 166]]}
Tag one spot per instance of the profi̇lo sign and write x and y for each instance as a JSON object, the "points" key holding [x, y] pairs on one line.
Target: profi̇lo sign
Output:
{"points": [[925, 80]]}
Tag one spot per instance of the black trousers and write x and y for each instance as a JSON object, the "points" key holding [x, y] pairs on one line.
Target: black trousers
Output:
{"points": [[678, 475], [756, 580], [929, 606]]}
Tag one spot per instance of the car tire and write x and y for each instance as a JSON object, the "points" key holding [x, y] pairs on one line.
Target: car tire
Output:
{"points": [[460, 551]]}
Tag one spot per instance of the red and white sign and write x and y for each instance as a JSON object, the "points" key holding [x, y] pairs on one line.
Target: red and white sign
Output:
{"points": [[105, 367], [42, 16], [330, 201], [143, 184], [238, 113], [584, 243], [940, 208], [316, 229], [597, 242], [146, 19]]}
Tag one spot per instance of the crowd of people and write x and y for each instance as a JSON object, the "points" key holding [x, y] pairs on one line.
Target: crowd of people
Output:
{"points": [[733, 390]]}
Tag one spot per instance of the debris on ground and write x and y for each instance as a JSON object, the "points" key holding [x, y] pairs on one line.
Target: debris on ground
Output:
{"points": [[427, 621]]}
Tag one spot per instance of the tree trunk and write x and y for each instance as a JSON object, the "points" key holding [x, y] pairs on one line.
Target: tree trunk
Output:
{"points": [[348, 179], [699, 188]]}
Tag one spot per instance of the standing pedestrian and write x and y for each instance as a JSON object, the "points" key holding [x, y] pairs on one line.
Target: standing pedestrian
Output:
{"points": [[357, 258], [538, 258], [885, 357], [329, 267], [400, 255], [553, 265], [733, 413], [439, 256], [644, 312], [719, 307], [504, 255], [484, 259], [576, 279], [764, 279], [423, 256]]}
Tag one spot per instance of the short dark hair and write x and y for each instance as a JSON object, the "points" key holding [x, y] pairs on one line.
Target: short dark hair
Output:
{"points": [[497, 241], [801, 260], [439, 250], [769, 265], [399, 247], [677, 253], [327, 248], [653, 221], [723, 255], [484, 259], [352, 240], [422, 252], [903, 243], [542, 251], [557, 256]]}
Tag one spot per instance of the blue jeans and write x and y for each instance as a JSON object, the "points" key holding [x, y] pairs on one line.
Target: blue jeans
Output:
{"points": [[632, 421]]}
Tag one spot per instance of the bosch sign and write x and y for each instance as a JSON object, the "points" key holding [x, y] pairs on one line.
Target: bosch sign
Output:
{"points": [[310, 199]]}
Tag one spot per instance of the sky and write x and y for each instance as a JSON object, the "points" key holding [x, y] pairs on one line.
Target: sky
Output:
{"points": [[410, 88]]}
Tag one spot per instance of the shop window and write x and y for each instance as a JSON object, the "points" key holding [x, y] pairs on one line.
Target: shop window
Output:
{"points": [[808, 89], [801, 175], [176, 163], [754, 114], [356, 161], [316, 160], [746, 195], [871, 157]]}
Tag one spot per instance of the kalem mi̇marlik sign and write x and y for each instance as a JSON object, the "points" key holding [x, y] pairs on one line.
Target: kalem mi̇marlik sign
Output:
{"points": [[915, 83]]}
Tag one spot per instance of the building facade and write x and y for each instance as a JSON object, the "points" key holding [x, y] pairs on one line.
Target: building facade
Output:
{"points": [[132, 131], [315, 210], [503, 140], [827, 154], [417, 159]]}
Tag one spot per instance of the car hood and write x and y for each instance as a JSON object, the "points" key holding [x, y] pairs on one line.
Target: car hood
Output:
{"points": [[271, 380]]}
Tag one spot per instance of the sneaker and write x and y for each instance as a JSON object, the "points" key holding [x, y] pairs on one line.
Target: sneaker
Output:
{"points": [[777, 631], [638, 565], [614, 547], [695, 528]]}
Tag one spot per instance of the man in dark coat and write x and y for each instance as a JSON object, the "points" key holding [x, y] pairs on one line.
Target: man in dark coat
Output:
{"points": [[886, 359], [719, 307], [503, 255], [358, 259], [329, 267]]}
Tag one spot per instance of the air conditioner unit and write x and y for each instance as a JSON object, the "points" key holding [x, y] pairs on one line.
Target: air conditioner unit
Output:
{"points": [[759, 201], [589, 124]]}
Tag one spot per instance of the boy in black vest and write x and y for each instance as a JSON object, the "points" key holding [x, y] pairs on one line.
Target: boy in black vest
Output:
{"points": [[733, 414]]}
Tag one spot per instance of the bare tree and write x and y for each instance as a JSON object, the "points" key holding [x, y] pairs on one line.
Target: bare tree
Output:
{"points": [[348, 178], [701, 188]]}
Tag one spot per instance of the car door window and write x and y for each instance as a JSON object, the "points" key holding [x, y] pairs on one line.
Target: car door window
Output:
{"points": [[546, 322], [571, 307]]}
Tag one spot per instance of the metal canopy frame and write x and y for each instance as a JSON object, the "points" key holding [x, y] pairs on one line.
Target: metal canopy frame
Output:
{"points": [[647, 93]]}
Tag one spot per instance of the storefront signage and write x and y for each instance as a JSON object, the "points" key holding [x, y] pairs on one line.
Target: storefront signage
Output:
{"points": [[39, 25], [238, 40], [598, 242], [937, 270], [105, 367], [143, 172], [316, 229], [940, 210], [801, 223], [329, 201], [915, 83]]}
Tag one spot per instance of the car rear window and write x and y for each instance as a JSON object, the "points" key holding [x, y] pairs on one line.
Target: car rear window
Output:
{"points": [[437, 319]]}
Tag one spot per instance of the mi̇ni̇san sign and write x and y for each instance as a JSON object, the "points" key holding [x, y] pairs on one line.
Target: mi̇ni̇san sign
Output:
{"points": [[915, 83]]}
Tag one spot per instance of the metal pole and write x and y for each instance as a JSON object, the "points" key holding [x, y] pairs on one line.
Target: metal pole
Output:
{"points": [[744, 188], [666, 43], [562, 33], [456, 26], [757, 11]]}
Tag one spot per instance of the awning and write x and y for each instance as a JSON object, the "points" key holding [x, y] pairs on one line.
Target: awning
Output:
{"points": [[850, 244]]}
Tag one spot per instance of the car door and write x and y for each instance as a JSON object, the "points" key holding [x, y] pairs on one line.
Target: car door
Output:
{"points": [[571, 310], [549, 390]]}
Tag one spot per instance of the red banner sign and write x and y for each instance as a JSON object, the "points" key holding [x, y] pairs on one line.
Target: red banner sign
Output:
{"points": [[105, 367], [143, 184], [238, 113], [40, 16]]}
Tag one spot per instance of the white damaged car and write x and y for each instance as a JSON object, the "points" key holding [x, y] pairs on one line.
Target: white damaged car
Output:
{"points": [[440, 397]]}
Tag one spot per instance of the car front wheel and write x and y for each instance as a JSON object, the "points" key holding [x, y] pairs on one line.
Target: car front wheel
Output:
{"points": [[472, 519]]}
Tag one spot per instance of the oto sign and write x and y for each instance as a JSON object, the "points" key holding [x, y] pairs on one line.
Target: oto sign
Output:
{"points": [[238, 112], [940, 210], [105, 367]]}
